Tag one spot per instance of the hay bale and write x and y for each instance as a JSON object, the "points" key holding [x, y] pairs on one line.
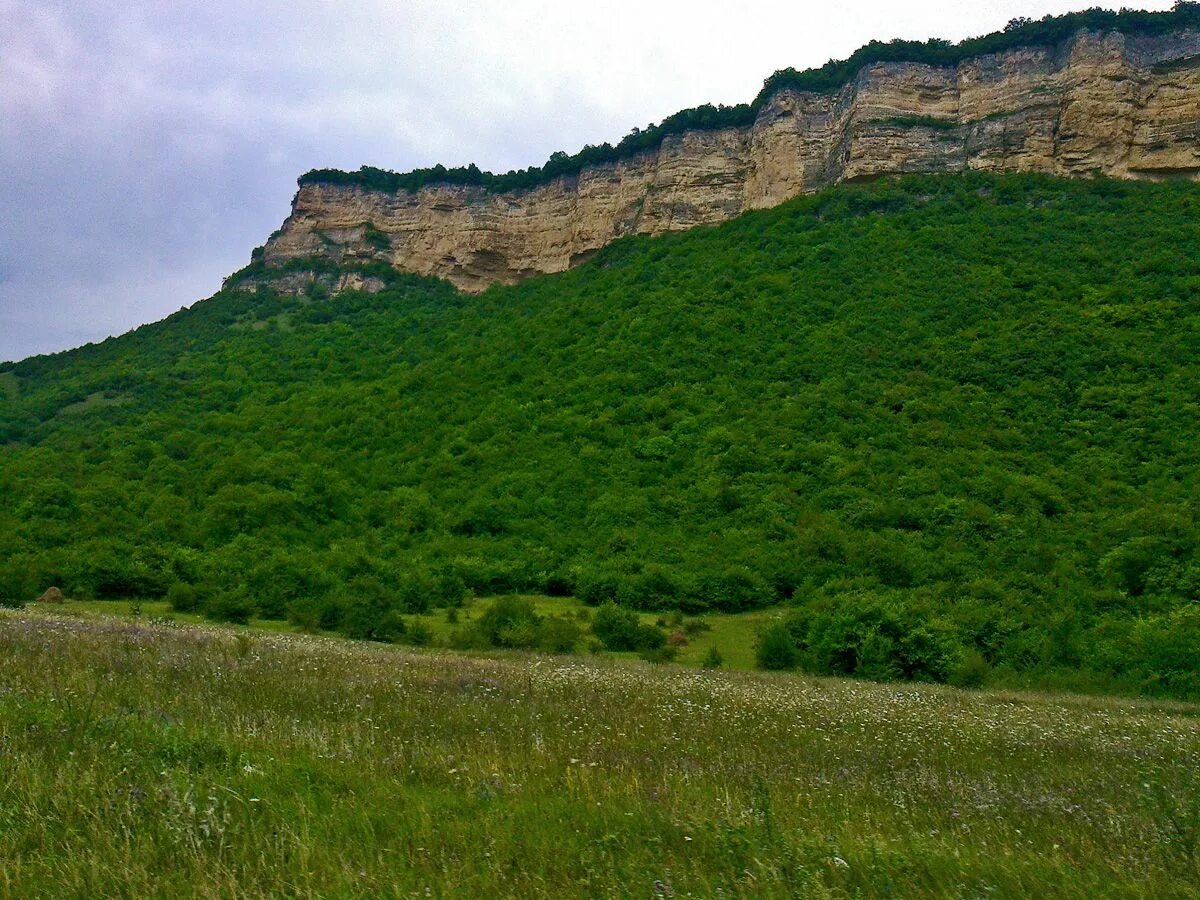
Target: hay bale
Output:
{"points": [[52, 595]]}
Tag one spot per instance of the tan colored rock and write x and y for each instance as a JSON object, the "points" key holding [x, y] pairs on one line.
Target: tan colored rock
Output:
{"points": [[1125, 106], [52, 595]]}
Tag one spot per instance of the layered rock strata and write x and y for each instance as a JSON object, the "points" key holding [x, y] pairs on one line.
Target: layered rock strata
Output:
{"points": [[1121, 105]]}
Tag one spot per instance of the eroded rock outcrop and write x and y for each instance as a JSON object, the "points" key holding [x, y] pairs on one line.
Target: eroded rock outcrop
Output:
{"points": [[1123, 105]]}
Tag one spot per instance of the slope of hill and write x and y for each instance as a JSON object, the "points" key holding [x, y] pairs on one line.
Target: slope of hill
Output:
{"points": [[940, 416]]}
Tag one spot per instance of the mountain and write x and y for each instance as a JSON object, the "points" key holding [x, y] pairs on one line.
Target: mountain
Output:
{"points": [[961, 409], [1094, 92]]}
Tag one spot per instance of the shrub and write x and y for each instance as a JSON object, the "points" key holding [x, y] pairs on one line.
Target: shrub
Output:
{"points": [[468, 638], [775, 649], [418, 633], [416, 592], [229, 607], [621, 629], [972, 670], [280, 580], [559, 634], [510, 622], [313, 614], [664, 654], [735, 590], [596, 588], [862, 635], [372, 619], [16, 586], [182, 597], [713, 659]]}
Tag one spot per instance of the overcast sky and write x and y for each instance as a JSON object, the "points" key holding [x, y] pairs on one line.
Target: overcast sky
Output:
{"points": [[145, 148]]}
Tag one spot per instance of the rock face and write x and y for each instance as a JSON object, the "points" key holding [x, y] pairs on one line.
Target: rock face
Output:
{"points": [[1122, 105]]}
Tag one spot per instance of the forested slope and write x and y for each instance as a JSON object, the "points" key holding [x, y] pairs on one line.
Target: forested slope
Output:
{"points": [[962, 410]]}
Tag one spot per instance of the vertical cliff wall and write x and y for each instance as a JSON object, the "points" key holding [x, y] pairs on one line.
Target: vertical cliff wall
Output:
{"points": [[1126, 106]]}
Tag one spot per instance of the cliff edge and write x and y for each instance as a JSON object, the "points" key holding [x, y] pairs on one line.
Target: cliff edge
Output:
{"points": [[1122, 105]]}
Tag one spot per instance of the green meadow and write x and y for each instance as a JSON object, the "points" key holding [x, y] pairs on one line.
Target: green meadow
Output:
{"points": [[148, 760]]}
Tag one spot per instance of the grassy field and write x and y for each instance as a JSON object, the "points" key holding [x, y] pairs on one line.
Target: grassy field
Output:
{"points": [[144, 760], [733, 635]]}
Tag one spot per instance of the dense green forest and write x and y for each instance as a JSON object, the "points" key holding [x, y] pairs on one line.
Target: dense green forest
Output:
{"points": [[949, 421], [829, 78]]}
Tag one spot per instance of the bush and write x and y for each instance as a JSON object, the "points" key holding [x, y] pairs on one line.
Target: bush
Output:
{"points": [[735, 590], [418, 633], [510, 622], [621, 629], [775, 649], [713, 659], [183, 597], [312, 614], [372, 619], [16, 586], [559, 634], [972, 670], [862, 635], [235, 608], [596, 588], [664, 654], [280, 580]]}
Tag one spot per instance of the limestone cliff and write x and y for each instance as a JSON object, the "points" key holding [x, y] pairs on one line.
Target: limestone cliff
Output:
{"points": [[1126, 106]]}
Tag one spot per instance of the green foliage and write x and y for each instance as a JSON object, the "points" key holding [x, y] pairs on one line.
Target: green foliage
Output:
{"points": [[183, 597], [660, 655], [863, 636], [510, 622], [419, 634], [559, 634], [619, 628], [776, 649], [972, 670], [827, 79], [236, 609], [713, 659], [373, 237], [371, 620], [936, 416]]}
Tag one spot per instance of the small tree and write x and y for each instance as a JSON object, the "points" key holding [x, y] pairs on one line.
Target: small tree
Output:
{"points": [[559, 634], [235, 608], [419, 634], [713, 659], [776, 649], [182, 597], [622, 629], [510, 622]]}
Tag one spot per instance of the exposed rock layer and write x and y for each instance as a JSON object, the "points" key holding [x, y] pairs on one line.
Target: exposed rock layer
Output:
{"points": [[1126, 106]]}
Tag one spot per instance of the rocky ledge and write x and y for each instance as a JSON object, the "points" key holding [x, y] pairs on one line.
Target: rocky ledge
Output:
{"points": [[1121, 105]]}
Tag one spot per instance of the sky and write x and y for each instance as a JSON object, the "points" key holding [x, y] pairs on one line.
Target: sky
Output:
{"points": [[146, 148]]}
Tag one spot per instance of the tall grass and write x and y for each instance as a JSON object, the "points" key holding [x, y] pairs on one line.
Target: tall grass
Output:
{"points": [[146, 761]]}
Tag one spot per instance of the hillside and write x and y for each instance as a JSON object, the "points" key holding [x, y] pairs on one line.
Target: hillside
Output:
{"points": [[941, 417], [149, 761]]}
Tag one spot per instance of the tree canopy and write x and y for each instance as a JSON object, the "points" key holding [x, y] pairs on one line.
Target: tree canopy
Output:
{"points": [[964, 404]]}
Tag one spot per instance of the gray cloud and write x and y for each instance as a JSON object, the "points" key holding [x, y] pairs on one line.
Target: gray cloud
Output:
{"points": [[145, 148]]}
